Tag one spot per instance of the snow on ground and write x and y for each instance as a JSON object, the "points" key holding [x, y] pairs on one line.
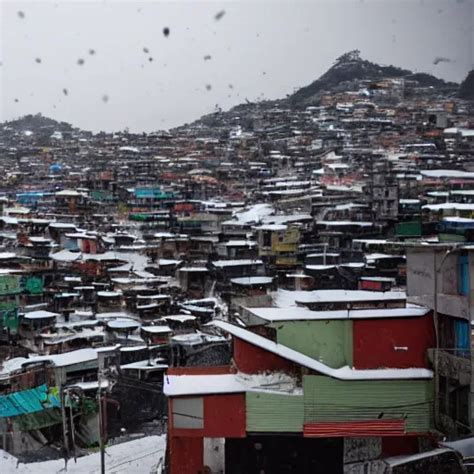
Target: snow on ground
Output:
{"points": [[140, 456]]}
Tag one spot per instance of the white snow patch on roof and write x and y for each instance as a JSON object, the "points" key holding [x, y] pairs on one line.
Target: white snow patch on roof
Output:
{"points": [[177, 385], [255, 213], [303, 314], [286, 298], [236, 263], [447, 174]]}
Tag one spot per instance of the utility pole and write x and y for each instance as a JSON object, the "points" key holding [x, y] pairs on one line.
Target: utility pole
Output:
{"points": [[63, 415], [73, 436], [101, 426]]}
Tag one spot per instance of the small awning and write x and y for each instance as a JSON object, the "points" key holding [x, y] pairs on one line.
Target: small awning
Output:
{"points": [[366, 428]]}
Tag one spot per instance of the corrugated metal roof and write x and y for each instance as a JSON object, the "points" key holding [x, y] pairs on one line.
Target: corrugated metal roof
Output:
{"points": [[29, 401], [330, 400], [274, 413]]}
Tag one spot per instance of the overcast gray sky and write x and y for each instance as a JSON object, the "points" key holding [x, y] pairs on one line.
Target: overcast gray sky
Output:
{"points": [[258, 50]]}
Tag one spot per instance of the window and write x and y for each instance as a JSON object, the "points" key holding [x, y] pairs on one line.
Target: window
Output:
{"points": [[267, 239], [463, 275], [188, 413]]}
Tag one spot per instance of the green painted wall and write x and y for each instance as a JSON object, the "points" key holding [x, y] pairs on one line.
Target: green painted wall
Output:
{"points": [[327, 399], [268, 412], [328, 341], [33, 285], [9, 285], [408, 229]]}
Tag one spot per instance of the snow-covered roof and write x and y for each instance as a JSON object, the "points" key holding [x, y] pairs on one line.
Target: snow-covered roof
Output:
{"points": [[40, 315], [462, 192], [164, 235], [197, 338], [348, 206], [168, 261], [10, 365], [144, 365], [345, 223], [352, 265], [193, 269], [271, 227], [90, 385], [81, 235], [114, 315], [371, 241], [176, 385], [123, 324], [153, 297], [252, 280], [459, 206], [303, 314], [66, 256], [343, 373], [319, 267], [182, 318], [379, 278], [236, 263], [179, 385], [109, 294], [156, 329], [69, 193], [447, 174], [286, 218], [286, 298], [7, 255], [62, 225], [409, 201], [381, 256], [133, 149], [240, 243], [39, 240], [16, 210], [254, 214], [9, 220], [67, 358]]}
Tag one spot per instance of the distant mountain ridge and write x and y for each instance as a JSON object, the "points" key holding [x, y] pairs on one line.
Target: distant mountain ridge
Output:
{"points": [[466, 89], [349, 67], [37, 123]]}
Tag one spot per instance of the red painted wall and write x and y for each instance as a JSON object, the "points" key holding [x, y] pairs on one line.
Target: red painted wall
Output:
{"points": [[370, 285], [224, 416], [398, 445], [374, 341], [186, 455], [251, 359]]}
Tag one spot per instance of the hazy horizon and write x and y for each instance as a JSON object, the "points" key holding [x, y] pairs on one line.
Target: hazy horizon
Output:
{"points": [[135, 77]]}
